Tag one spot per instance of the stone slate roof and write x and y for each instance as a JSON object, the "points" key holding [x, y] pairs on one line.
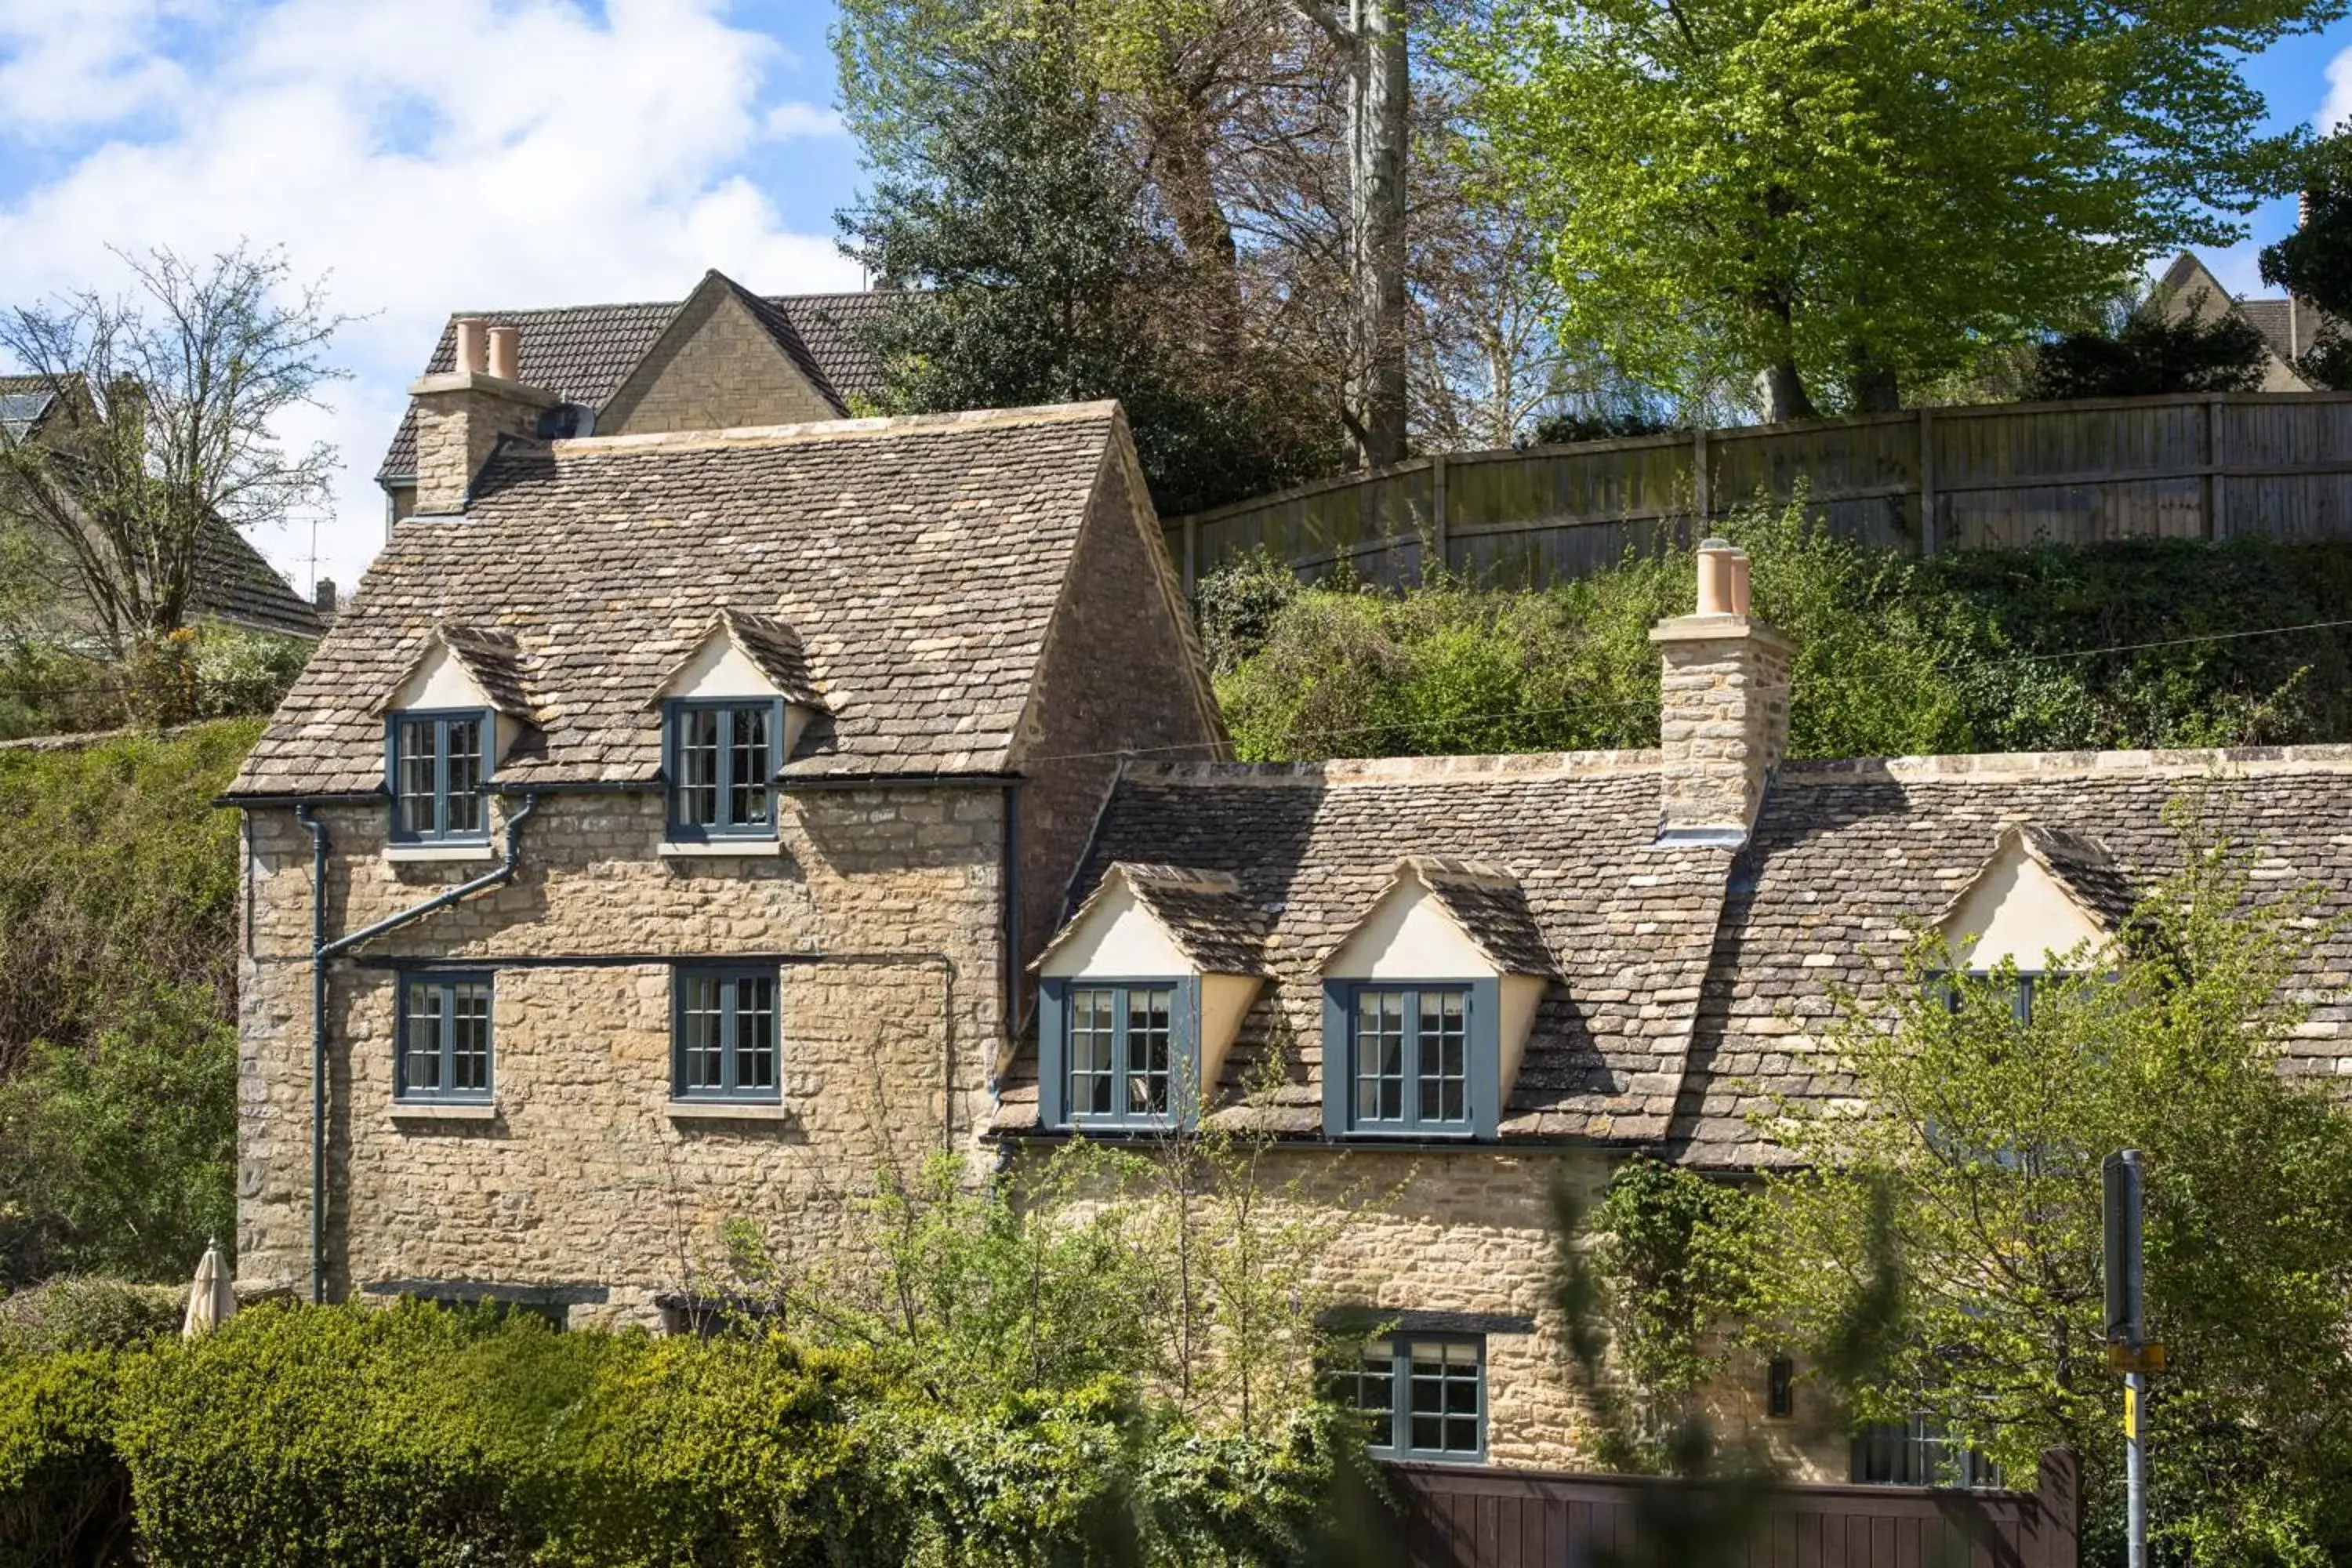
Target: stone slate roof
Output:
{"points": [[1630, 923], [919, 560], [1694, 982], [1490, 907], [775, 649], [235, 584], [584, 353], [1212, 921], [23, 400]]}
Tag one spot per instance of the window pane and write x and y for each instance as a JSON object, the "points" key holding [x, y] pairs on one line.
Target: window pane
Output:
{"points": [[464, 803], [1444, 1058], [1380, 1055], [755, 1034], [700, 1021], [1148, 1014], [414, 750], [746, 789], [1091, 1073], [1445, 1397], [1376, 1392], [421, 1046], [469, 1032], [697, 766]]}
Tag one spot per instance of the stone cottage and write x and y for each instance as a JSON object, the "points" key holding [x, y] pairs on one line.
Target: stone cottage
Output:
{"points": [[674, 825], [1470, 968], [663, 829]]}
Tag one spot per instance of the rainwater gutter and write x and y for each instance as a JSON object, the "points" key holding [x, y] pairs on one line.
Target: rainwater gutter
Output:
{"points": [[321, 950]]}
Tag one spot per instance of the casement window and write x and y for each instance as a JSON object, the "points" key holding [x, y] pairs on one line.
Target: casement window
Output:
{"points": [[723, 757], [727, 1034], [2022, 987], [1408, 1058], [1780, 1388], [1916, 1453], [444, 1039], [1422, 1396], [436, 765], [1120, 1053]]}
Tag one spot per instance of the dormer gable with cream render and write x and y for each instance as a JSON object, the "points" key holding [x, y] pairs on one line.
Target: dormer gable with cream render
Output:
{"points": [[448, 722], [2045, 900], [733, 714], [1428, 1003], [1142, 995]]}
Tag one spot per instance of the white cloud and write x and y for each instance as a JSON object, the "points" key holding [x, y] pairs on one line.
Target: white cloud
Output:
{"points": [[794, 119], [426, 156], [2336, 108]]}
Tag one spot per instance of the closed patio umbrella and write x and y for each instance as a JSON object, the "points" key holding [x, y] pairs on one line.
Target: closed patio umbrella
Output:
{"points": [[211, 1301]]}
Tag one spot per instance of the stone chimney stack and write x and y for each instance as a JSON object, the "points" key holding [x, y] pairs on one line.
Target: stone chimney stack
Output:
{"points": [[461, 414], [322, 598], [1724, 722]]}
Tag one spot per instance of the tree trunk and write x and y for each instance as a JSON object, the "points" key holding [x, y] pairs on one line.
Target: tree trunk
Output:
{"points": [[1182, 138], [1784, 393], [1870, 384], [1376, 229]]}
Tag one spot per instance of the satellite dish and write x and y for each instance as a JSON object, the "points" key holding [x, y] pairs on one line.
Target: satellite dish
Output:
{"points": [[566, 421]]}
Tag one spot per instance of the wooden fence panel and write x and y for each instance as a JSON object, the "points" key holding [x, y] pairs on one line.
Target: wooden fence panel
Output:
{"points": [[2273, 465], [1478, 1518]]}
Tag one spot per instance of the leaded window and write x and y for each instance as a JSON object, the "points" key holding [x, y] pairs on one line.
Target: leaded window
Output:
{"points": [[1422, 1396], [438, 763], [727, 1034], [445, 1039], [722, 767], [1410, 1058], [1121, 1053]]}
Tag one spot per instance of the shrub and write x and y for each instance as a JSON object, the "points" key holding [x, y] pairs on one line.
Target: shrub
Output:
{"points": [[64, 1492], [76, 1314], [2046, 649]]}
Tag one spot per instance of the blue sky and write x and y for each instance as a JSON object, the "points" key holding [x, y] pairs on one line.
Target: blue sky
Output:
{"points": [[427, 155]]}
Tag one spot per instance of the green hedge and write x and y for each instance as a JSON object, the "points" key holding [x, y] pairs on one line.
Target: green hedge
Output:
{"points": [[424, 1435]]}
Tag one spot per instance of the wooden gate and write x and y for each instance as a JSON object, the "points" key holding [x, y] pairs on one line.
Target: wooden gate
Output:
{"points": [[1463, 1518]]}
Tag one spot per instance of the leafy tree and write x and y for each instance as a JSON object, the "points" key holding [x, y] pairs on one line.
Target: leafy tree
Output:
{"points": [[1002, 188], [2315, 262], [1841, 194], [169, 405], [120, 1158], [1978, 1155], [2148, 354]]}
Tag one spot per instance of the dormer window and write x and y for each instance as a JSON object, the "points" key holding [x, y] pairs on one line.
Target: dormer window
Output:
{"points": [[1140, 997], [462, 703], [438, 767], [723, 768], [2044, 905], [732, 710], [1428, 1004]]}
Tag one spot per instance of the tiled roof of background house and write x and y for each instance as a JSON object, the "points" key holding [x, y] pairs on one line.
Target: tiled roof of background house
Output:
{"points": [[1694, 984], [235, 584], [918, 561], [23, 400], [584, 353]]}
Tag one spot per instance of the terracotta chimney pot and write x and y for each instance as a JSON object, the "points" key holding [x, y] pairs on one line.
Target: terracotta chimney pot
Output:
{"points": [[1718, 564], [1739, 583], [470, 334], [505, 352]]}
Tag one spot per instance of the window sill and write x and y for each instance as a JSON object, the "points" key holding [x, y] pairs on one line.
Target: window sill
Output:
{"points": [[693, 849], [727, 1110], [451, 1110], [398, 853]]}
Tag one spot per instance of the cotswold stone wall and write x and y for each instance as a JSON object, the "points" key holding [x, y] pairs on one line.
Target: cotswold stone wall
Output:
{"points": [[584, 1189], [718, 371], [1470, 1232]]}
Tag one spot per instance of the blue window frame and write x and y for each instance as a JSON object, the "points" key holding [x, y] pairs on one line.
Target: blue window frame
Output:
{"points": [[1919, 1453], [443, 1038], [1411, 1057], [1120, 1052], [1422, 1396], [726, 1033], [722, 761], [2024, 984], [435, 763]]}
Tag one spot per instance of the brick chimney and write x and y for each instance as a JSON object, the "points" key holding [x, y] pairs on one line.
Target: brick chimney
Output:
{"points": [[1724, 721], [322, 598], [461, 414]]}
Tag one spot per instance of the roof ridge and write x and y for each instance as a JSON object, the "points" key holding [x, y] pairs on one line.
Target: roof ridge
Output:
{"points": [[828, 430]]}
